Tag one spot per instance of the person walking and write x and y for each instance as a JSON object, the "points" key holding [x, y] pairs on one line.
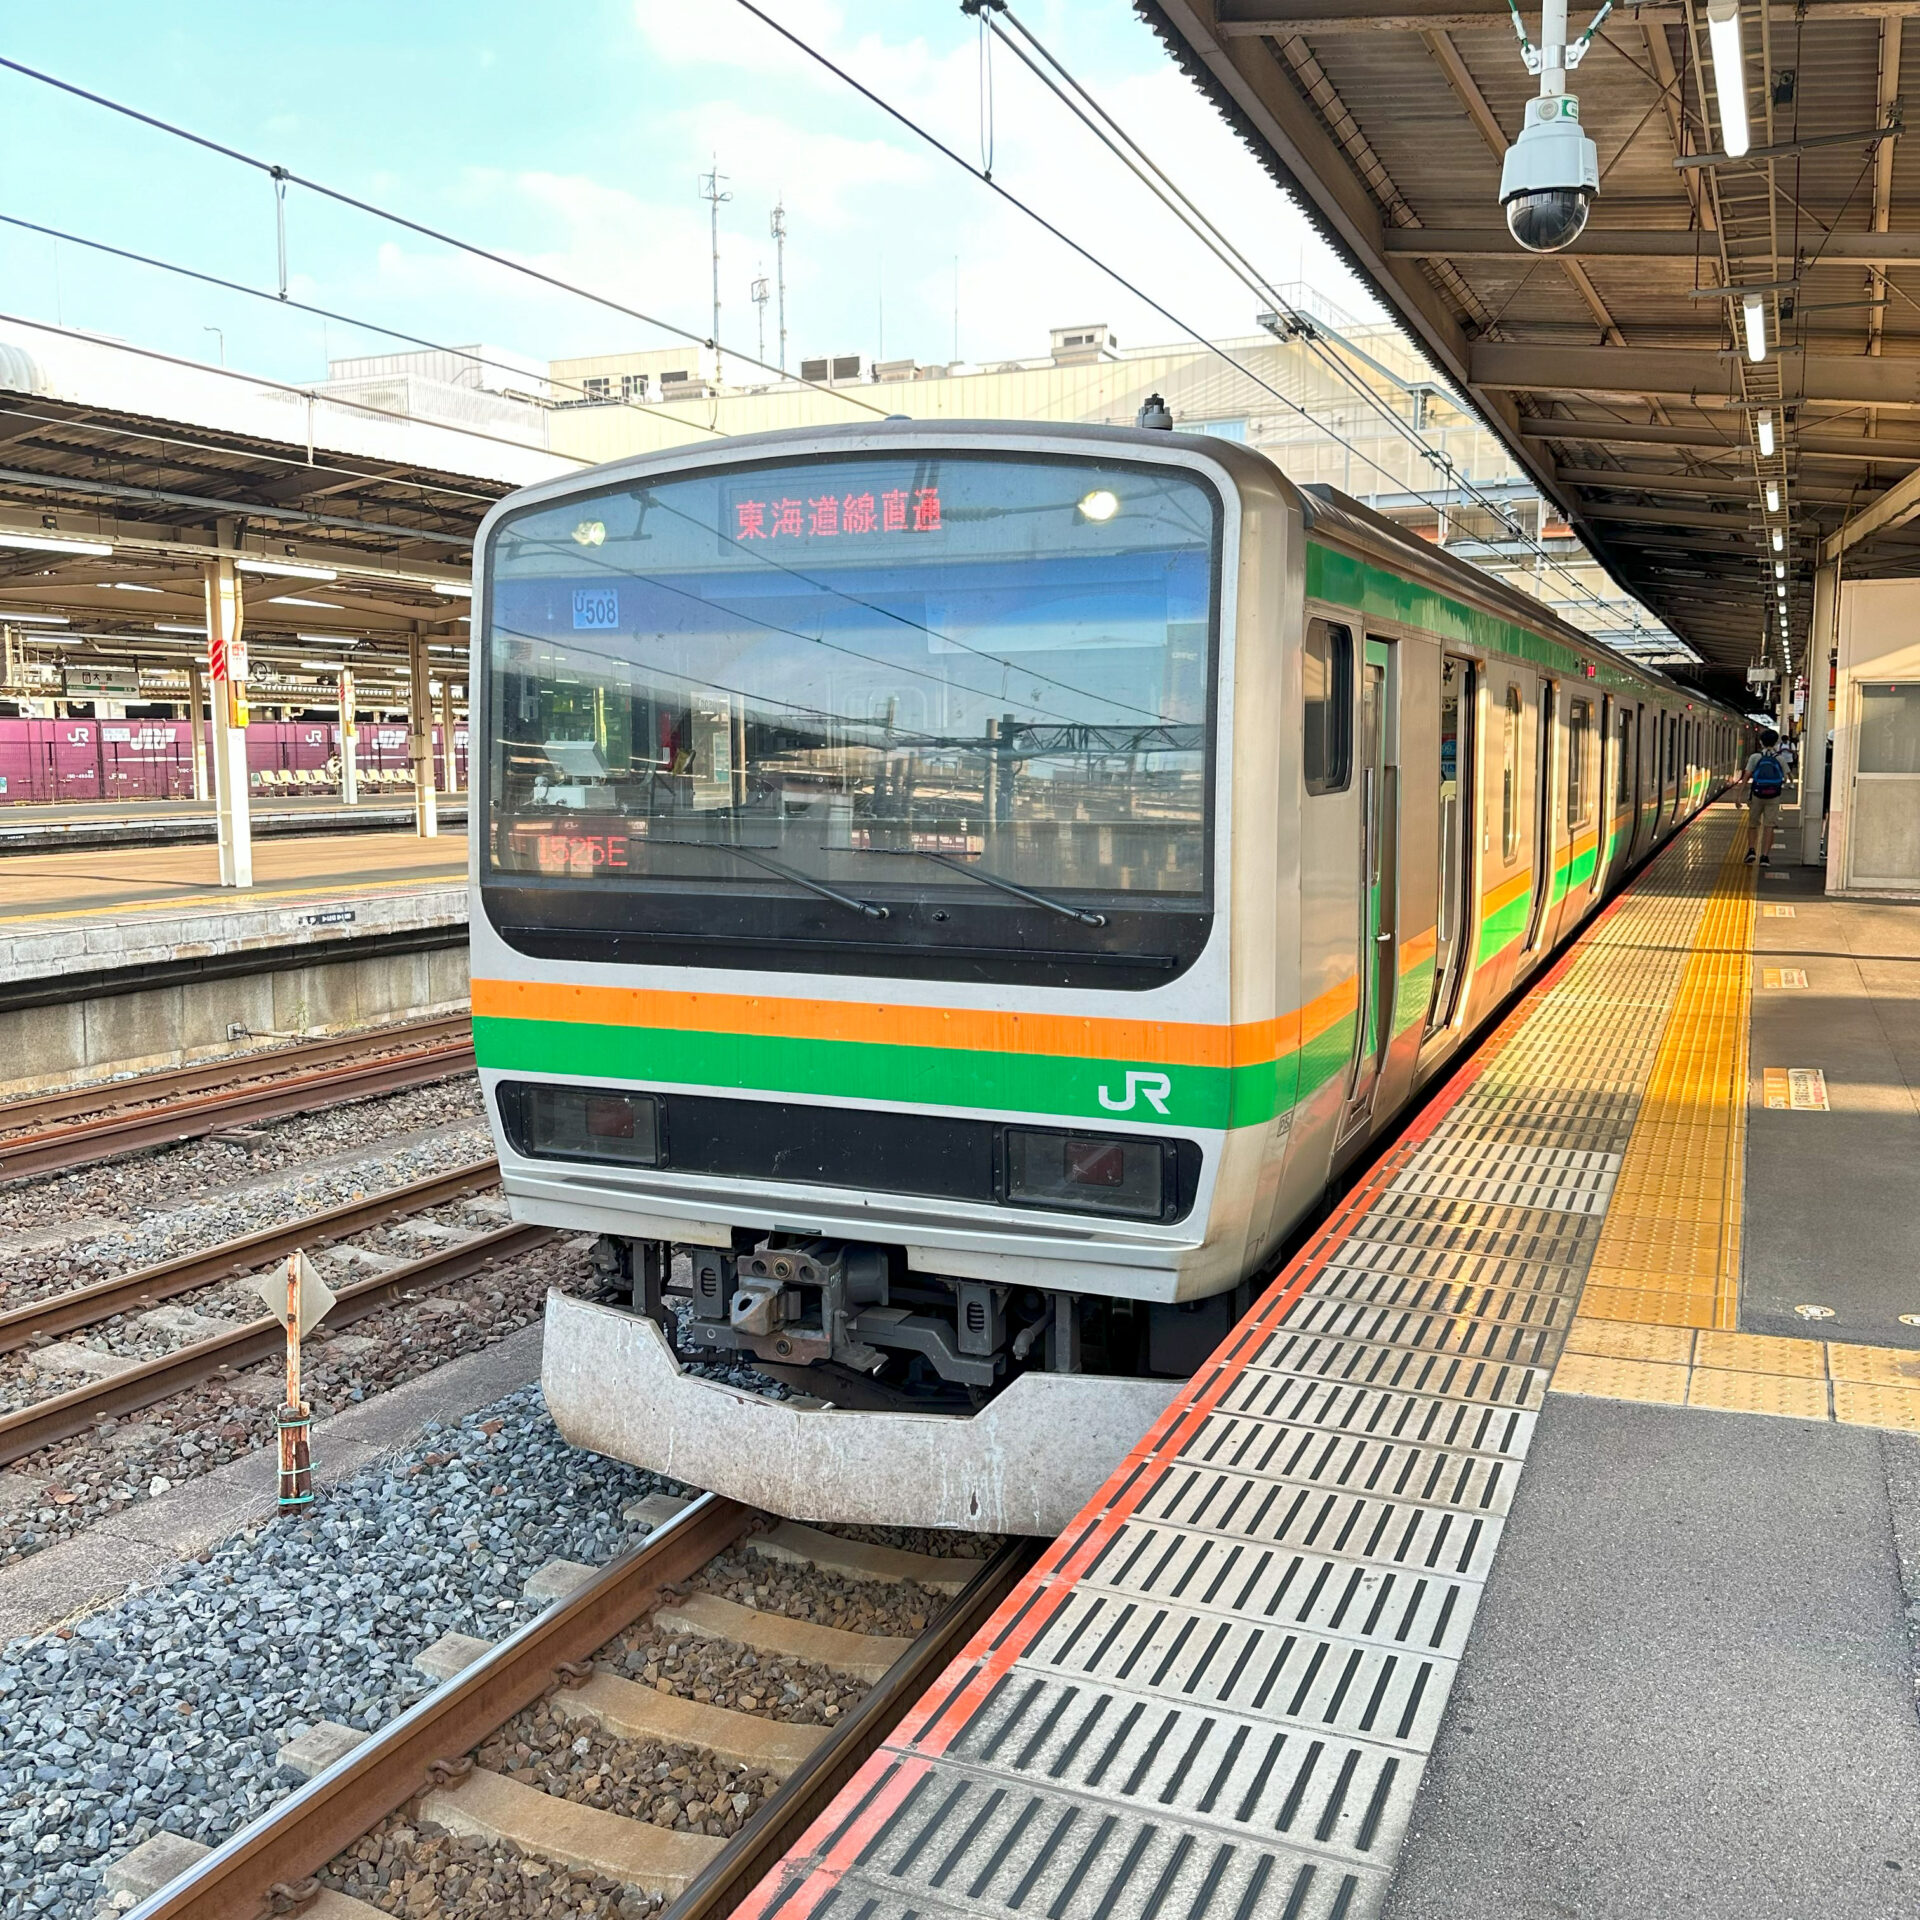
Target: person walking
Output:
{"points": [[1766, 778]]}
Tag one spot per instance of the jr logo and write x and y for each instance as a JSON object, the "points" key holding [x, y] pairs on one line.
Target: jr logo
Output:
{"points": [[1153, 1088]]}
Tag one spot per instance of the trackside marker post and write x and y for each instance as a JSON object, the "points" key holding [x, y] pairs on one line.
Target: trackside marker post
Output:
{"points": [[298, 1298]]}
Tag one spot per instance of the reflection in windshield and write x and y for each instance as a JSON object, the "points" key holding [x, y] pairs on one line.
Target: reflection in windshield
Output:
{"points": [[1001, 662]]}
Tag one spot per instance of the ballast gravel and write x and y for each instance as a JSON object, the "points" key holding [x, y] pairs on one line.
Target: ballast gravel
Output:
{"points": [[167, 1710], [62, 1489], [685, 1788], [407, 1870], [148, 1193]]}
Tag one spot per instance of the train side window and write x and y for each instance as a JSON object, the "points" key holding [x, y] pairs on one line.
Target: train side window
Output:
{"points": [[1623, 766], [1510, 776], [1579, 736], [1327, 683]]}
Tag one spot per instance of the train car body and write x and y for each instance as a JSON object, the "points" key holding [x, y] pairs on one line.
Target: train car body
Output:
{"points": [[950, 899]]}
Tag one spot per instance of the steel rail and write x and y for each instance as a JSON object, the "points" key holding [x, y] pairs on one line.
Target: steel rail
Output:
{"points": [[46, 1422], [775, 1830], [232, 1069], [268, 1866], [292, 1841], [117, 1134], [82, 1306]]}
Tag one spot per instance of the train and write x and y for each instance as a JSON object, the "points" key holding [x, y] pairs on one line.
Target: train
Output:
{"points": [[950, 900]]}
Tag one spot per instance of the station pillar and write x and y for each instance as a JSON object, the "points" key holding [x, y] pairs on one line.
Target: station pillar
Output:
{"points": [[1818, 729], [227, 671], [426, 816], [349, 742], [197, 728], [449, 760]]}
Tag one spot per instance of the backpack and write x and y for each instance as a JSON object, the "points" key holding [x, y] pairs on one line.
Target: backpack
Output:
{"points": [[1768, 778]]}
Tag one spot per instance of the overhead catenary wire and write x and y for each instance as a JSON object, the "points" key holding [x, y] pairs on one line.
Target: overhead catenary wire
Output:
{"points": [[1129, 151], [1112, 272], [409, 224], [323, 313]]}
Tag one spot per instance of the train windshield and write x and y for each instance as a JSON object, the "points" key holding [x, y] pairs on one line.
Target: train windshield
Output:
{"points": [[859, 684]]}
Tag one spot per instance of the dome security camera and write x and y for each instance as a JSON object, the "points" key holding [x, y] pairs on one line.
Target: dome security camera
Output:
{"points": [[1550, 176]]}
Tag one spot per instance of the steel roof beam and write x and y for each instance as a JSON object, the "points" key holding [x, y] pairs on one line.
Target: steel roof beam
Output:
{"points": [[1688, 373], [1632, 243], [1253, 19], [1809, 443]]}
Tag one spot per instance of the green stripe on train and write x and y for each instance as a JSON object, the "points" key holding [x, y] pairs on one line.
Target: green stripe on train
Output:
{"points": [[1147, 1090], [1345, 581]]}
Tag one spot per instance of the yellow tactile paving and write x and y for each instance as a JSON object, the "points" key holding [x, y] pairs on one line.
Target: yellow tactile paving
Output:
{"points": [[1624, 1340], [1669, 1253], [1861, 1406], [1742, 1373], [1742, 1392], [1875, 1366], [1761, 1353], [1605, 1379]]}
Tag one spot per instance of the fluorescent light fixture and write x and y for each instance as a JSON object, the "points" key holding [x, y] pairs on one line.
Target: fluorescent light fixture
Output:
{"points": [[1779, 540], [1755, 310], [328, 639], [1773, 497], [36, 619], [131, 586], [285, 569], [1729, 75], [293, 600], [458, 593], [1766, 436], [1781, 591], [74, 549], [1779, 569], [176, 626]]}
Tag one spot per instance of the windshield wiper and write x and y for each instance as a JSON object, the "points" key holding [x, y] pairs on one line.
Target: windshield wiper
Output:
{"points": [[786, 872], [994, 880]]}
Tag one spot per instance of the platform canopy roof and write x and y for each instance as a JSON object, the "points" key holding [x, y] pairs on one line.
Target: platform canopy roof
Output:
{"points": [[1616, 371], [123, 471]]}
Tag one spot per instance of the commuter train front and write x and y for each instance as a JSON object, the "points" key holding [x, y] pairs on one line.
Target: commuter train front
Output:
{"points": [[947, 901]]}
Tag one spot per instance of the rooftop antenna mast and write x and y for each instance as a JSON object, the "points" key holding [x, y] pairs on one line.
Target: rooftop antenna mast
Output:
{"points": [[757, 293], [777, 226], [710, 191]]}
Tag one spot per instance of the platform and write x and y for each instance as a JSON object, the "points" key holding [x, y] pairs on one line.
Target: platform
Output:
{"points": [[126, 959], [1453, 1559], [28, 828]]}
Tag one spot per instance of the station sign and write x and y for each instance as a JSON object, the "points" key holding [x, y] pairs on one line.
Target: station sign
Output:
{"points": [[83, 683]]}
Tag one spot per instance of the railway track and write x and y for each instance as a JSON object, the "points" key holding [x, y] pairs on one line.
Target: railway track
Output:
{"points": [[427, 1753], [163, 1109], [63, 1416]]}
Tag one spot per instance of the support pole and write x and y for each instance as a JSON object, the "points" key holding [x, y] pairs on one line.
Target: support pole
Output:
{"points": [[227, 670], [1814, 735], [296, 1420], [426, 816], [349, 742], [197, 725], [449, 760]]}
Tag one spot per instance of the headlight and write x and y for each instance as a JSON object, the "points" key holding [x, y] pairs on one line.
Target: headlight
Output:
{"points": [[1088, 1173], [582, 1123]]}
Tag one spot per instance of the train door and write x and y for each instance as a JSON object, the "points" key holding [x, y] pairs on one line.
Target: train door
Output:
{"points": [[1379, 880], [1603, 807], [1454, 908], [1544, 848]]}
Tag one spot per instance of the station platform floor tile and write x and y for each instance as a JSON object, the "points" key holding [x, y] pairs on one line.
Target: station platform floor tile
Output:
{"points": [[1831, 1226], [117, 883]]}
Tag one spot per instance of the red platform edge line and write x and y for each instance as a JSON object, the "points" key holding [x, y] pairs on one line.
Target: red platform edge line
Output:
{"points": [[796, 1887]]}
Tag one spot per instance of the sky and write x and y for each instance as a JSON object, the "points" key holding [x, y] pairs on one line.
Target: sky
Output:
{"points": [[574, 140]]}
